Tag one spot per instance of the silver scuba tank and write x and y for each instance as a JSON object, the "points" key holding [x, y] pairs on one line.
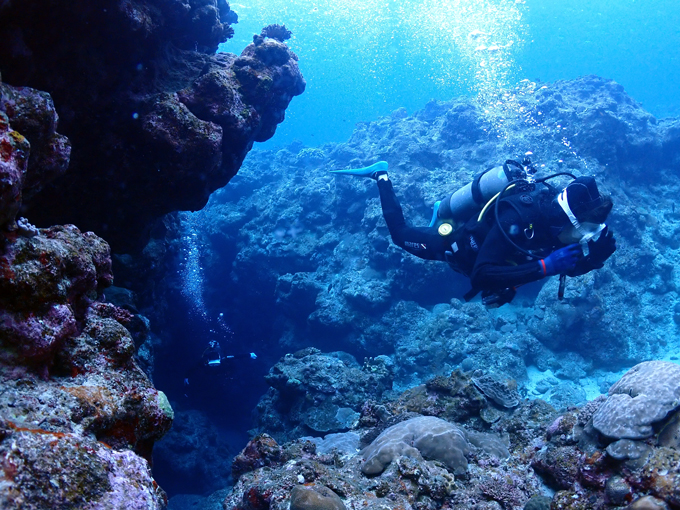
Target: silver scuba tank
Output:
{"points": [[469, 200]]}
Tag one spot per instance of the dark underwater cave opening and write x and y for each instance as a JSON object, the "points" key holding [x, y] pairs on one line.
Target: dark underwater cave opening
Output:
{"points": [[225, 397]]}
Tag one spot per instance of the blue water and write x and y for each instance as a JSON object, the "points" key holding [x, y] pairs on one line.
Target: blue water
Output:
{"points": [[364, 59]]}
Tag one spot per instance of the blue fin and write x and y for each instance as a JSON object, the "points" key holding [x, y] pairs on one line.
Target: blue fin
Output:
{"points": [[369, 171], [435, 212]]}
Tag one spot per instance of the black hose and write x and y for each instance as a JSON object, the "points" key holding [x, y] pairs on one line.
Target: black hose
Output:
{"points": [[498, 200]]}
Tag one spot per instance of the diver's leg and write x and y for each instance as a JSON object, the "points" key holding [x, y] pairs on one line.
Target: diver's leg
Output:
{"points": [[422, 242], [392, 211]]}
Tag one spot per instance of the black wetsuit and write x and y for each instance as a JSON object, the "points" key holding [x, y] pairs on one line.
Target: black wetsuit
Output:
{"points": [[423, 242], [479, 250]]}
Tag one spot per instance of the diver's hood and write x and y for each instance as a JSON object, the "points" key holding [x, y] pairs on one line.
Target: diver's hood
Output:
{"points": [[583, 197]]}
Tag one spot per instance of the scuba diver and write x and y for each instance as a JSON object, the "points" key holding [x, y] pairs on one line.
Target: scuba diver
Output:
{"points": [[506, 228], [213, 362]]}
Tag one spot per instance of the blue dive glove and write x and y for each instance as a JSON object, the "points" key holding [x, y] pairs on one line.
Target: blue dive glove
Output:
{"points": [[562, 260]]}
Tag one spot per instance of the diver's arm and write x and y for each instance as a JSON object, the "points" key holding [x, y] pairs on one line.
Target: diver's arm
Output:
{"points": [[494, 268]]}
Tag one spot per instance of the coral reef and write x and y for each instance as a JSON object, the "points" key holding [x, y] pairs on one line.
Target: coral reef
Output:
{"points": [[78, 417], [278, 32], [464, 467], [71, 386], [421, 437], [156, 120], [642, 397], [317, 393], [313, 251], [423, 462], [591, 471], [315, 497], [31, 112], [497, 390], [13, 162]]}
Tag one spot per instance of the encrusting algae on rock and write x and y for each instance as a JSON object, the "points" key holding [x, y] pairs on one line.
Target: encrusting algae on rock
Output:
{"points": [[78, 417]]}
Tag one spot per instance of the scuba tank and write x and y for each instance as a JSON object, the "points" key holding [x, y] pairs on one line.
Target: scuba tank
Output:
{"points": [[469, 200]]}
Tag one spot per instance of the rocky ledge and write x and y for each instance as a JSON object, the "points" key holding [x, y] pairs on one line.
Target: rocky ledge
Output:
{"points": [[157, 120]]}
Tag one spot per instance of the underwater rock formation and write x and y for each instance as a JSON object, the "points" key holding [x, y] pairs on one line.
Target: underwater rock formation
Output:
{"points": [[423, 437], [423, 462], [156, 120], [32, 113], [14, 159], [644, 396], [78, 417], [467, 466], [77, 414], [592, 470], [313, 393]]}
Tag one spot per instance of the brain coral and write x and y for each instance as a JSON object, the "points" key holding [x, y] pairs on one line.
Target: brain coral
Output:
{"points": [[642, 397], [422, 437]]}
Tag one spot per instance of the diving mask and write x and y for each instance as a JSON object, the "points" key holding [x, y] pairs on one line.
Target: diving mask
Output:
{"points": [[588, 231]]}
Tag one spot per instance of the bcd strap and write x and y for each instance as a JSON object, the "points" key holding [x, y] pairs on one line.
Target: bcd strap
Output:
{"points": [[477, 190]]}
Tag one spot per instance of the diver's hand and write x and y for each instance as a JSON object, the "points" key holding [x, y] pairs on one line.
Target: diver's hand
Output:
{"points": [[562, 260], [602, 249], [492, 299]]}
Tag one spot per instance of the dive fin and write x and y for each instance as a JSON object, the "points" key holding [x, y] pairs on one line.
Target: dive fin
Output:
{"points": [[369, 171]]}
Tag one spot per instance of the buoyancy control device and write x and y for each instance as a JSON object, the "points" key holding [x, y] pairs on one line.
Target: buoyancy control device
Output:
{"points": [[469, 200]]}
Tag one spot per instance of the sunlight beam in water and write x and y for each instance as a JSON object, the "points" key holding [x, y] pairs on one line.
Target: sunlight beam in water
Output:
{"points": [[377, 46]]}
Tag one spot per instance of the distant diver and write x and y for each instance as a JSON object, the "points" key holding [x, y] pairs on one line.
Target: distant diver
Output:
{"points": [[213, 362], [506, 228]]}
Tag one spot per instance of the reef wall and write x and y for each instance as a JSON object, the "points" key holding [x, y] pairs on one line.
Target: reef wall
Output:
{"points": [[78, 417], [156, 119], [112, 114]]}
